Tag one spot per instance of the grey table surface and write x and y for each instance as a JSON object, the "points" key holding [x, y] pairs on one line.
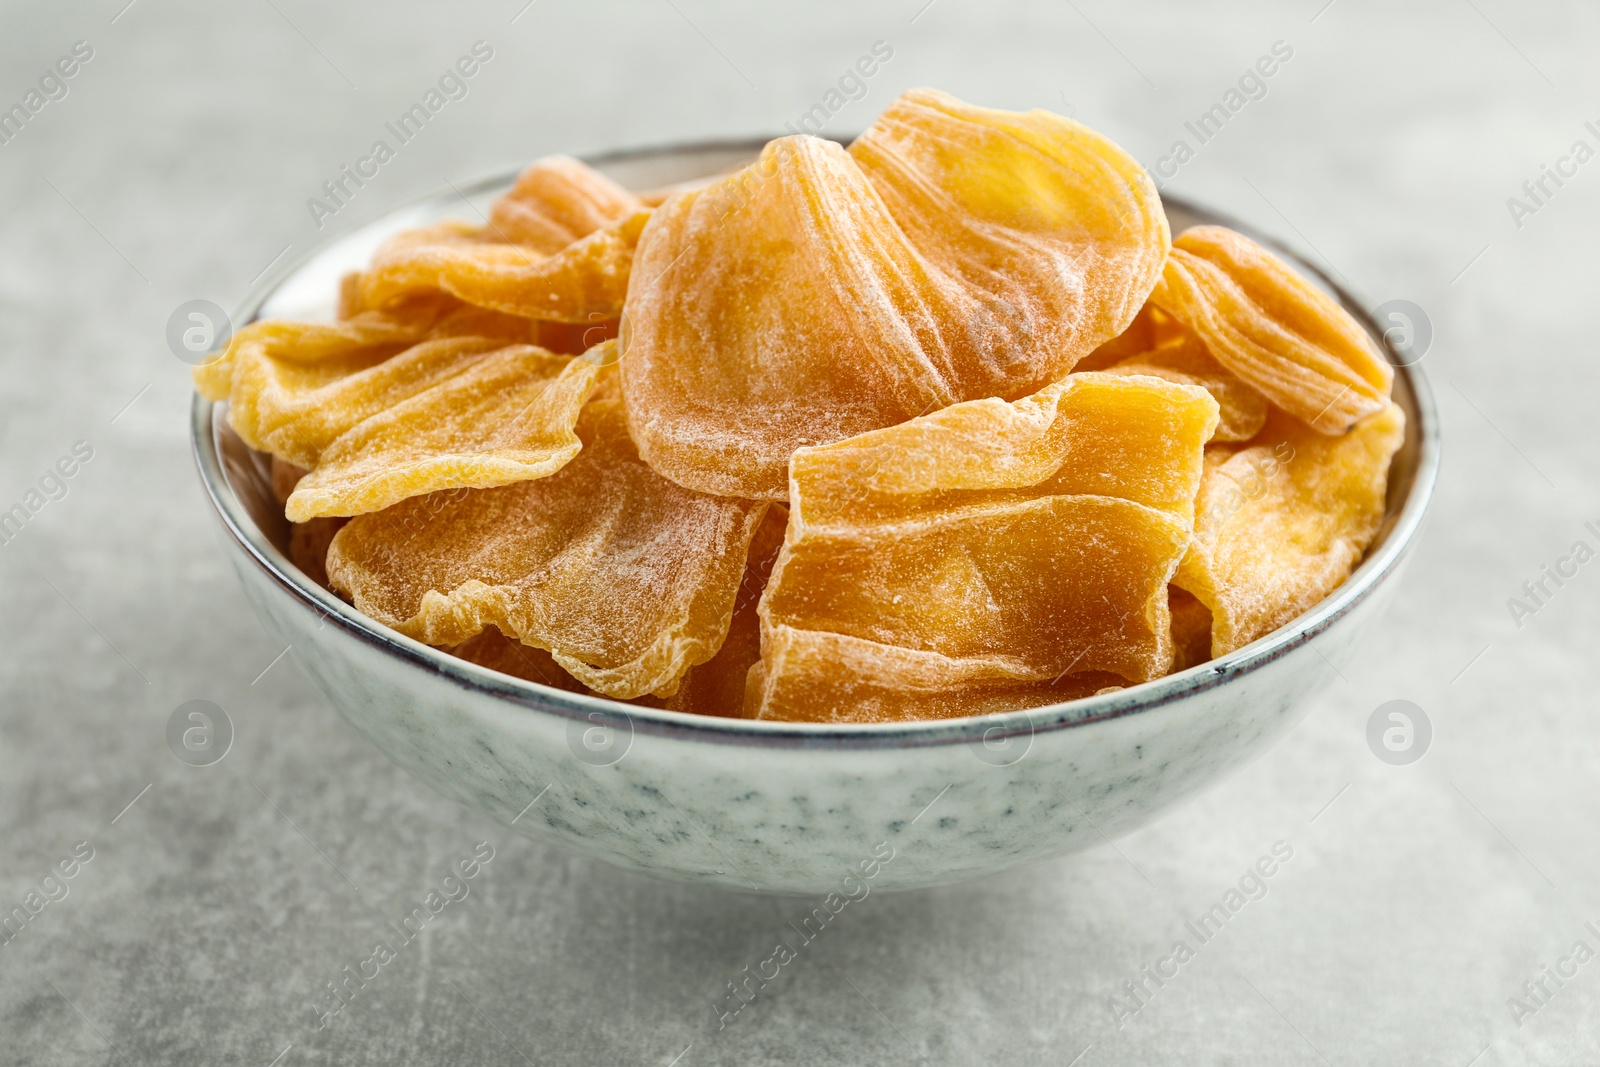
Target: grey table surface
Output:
{"points": [[218, 905]]}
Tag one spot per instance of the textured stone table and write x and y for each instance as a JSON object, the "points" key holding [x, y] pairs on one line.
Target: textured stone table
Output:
{"points": [[218, 906]]}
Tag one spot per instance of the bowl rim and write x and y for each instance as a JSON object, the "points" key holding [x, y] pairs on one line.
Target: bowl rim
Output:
{"points": [[1376, 567]]}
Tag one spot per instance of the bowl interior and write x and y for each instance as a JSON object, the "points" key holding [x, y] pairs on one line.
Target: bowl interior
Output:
{"points": [[307, 291]]}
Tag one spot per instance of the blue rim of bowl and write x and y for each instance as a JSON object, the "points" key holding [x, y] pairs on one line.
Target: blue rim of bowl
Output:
{"points": [[1378, 566]]}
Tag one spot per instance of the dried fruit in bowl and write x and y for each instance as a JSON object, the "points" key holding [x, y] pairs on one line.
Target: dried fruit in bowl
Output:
{"points": [[1183, 359], [558, 246], [715, 687], [626, 578], [556, 202], [988, 546], [1274, 329], [953, 253], [1280, 524], [507, 417]]}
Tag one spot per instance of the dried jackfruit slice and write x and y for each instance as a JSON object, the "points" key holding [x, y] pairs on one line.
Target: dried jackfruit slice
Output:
{"points": [[1273, 328], [1185, 360], [295, 410], [466, 261], [953, 253], [812, 676], [373, 335], [715, 687], [1150, 328], [1281, 524], [984, 547], [492, 649], [505, 417], [626, 578], [555, 202]]}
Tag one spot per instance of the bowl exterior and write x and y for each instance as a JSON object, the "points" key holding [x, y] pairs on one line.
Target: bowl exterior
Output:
{"points": [[782, 818]]}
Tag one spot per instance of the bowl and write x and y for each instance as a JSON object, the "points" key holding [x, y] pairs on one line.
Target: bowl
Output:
{"points": [[787, 807]]}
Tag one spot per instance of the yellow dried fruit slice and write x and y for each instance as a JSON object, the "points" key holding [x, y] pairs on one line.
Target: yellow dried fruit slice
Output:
{"points": [[569, 285], [627, 579], [986, 545], [507, 416], [370, 335], [953, 253], [1185, 360], [1281, 524], [1273, 328], [555, 202], [295, 410]]}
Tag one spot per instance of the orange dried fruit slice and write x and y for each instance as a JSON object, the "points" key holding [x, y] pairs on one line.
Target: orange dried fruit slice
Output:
{"points": [[1281, 524], [370, 335], [1183, 359], [717, 686], [506, 416], [555, 202], [953, 253], [1273, 328], [984, 546], [466, 261], [1150, 328], [627, 579], [810, 676], [492, 649]]}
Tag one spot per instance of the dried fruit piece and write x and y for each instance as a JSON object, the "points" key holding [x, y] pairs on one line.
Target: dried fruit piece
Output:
{"points": [[569, 285], [370, 335], [1150, 328], [717, 686], [1281, 524], [1183, 359], [507, 416], [986, 547], [954, 253], [1273, 328], [295, 410], [493, 649], [350, 305], [626, 578], [558, 201], [1191, 629], [811, 676]]}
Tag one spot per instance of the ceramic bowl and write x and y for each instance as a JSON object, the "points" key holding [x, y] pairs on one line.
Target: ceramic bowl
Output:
{"points": [[786, 807]]}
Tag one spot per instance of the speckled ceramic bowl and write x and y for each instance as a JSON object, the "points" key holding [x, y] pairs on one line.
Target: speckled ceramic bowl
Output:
{"points": [[782, 807]]}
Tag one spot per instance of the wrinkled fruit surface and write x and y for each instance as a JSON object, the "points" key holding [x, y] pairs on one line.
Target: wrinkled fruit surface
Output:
{"points": [[952, 253], [627, 579], [983, 546], [1273, 328], [1280, 524]]}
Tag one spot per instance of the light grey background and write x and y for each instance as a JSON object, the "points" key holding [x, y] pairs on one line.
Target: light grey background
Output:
{"points": [[216, 908]]}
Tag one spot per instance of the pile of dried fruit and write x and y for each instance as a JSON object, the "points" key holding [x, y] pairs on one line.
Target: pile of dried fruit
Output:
{"points": [[941, 424]]}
